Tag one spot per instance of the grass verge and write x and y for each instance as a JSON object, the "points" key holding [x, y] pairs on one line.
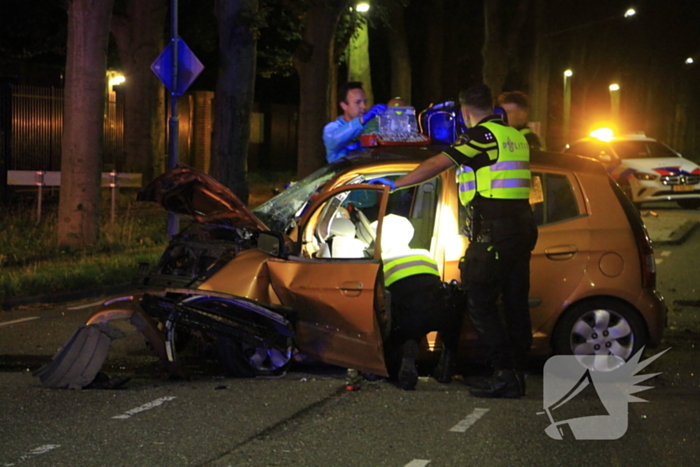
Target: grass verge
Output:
{"points": [[32, 263]]}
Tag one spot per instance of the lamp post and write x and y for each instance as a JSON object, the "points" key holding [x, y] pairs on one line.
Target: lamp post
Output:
{"points": [[567, 103], [539, 81], [615, 103]]}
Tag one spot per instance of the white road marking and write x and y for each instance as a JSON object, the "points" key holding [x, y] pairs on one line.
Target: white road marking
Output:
{"points": [[658, 260], [35, 452], [417, 463], [471, 419], [144, 407], [21, 320], [666, 253], [87, 305]]}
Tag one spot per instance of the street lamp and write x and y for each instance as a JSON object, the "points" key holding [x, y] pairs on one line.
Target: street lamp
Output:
{"points": [[540, 70], [615, 103], [362, 7], [567, 102], [628, 14], [689, 61]]}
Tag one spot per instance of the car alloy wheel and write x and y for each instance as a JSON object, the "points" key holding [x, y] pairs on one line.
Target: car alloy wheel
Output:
{"points": [[600, 327]]}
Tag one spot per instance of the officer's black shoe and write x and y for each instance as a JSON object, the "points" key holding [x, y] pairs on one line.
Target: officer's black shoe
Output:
{"points": [[503, 384], [408, 374], [445, 367]]}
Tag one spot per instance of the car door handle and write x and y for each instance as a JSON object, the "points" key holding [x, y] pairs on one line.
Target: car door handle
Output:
{"points": [[351, 288], [560, 252]]}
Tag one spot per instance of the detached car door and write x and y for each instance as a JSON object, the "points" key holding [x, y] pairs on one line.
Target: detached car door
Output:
{"points": [[336, 283]]}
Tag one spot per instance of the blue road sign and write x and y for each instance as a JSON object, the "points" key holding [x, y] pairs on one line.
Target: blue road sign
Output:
{"points": [[188, 67]]}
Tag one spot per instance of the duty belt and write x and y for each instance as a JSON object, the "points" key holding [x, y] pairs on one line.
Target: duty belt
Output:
{"points": [[481, 230]]}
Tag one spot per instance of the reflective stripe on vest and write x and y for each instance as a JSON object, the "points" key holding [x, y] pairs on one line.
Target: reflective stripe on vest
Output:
{"points": [[509, 178], [410, 265]]}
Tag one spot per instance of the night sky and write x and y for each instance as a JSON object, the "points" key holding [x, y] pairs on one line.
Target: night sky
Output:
{"points": [[645, 54]]}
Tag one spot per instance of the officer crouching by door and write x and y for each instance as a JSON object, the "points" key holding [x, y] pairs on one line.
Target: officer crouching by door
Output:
{"points": [[420, 303], [494, 182]]}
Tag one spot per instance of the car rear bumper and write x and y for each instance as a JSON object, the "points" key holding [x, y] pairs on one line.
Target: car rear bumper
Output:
{"points": [[652, 306]]}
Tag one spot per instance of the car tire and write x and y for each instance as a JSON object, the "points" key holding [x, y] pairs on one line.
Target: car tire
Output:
{"points": [[600, 327], [241, 360], [689, 203], [231, 356]]}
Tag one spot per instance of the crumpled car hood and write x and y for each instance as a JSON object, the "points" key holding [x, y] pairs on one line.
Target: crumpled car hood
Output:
{"points": [[190, 192]]}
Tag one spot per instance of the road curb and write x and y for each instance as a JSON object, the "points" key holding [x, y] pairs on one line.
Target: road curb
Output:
{"points": [[66, 296], [679, 235]]}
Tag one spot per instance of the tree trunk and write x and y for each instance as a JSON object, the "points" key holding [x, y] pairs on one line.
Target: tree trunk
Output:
{"points": [[435, 46], [400, 59], [358, 61], [233, 102], [314, 63], [503, 24], [81, 158], [140, 38], [539, 73]]}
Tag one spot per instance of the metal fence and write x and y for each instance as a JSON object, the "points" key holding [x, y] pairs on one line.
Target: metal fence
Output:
{"points": [[37, 128]]}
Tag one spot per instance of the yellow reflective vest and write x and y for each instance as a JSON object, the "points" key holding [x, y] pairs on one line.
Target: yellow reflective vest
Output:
{"points": [[410, 264], [508, 177]]}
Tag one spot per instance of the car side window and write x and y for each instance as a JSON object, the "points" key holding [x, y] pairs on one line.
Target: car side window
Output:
{"points": [[345, 227], [342, 228], [421, 202], [552, 198], [418, 204]]}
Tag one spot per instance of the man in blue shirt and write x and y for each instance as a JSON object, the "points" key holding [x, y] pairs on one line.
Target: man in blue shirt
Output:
{"points": [[342, 135]]}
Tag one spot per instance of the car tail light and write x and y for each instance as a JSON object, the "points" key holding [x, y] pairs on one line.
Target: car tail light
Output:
{"points": [[647, 262]]}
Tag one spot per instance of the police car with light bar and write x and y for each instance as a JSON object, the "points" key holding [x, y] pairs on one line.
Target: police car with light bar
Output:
{"points": [[647, 170]]}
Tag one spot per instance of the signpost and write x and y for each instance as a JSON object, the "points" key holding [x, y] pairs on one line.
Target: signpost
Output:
{"points": [[177, 67]]}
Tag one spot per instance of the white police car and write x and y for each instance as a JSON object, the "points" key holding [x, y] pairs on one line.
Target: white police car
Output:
{"points": [[646, 169]]}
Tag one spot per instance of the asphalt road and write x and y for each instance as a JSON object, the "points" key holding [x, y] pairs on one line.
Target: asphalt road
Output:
{"points": [[310, 418]]}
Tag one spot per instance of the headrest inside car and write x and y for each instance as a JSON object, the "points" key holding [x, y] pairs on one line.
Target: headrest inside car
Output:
{"points": [[342, 227]]}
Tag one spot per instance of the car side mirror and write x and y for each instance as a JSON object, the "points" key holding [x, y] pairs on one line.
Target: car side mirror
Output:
{"points": [[604, 157], [272, 243]]}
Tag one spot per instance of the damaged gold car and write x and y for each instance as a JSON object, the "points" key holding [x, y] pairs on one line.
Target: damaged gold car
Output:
{"points": [[303, 272]]}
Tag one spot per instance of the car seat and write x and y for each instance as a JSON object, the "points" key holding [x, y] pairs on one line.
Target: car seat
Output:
{"points": [[342, 242]]}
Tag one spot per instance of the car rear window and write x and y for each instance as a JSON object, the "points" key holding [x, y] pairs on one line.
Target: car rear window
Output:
{"points": [[642, 150]]}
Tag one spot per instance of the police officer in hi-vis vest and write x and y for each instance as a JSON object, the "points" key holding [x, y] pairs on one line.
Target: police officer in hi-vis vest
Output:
{"points": [[494, 183], [517, 106], [420, 303]]}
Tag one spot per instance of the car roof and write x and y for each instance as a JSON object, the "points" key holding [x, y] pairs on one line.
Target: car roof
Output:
{"points": [[555, 160]]}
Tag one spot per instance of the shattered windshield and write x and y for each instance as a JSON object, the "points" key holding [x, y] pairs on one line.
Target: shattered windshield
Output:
{"points": [[281, 212]]}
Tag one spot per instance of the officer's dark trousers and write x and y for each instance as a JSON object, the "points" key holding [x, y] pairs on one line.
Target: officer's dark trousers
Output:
{"points": [[420, 305], [503, 270]]}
